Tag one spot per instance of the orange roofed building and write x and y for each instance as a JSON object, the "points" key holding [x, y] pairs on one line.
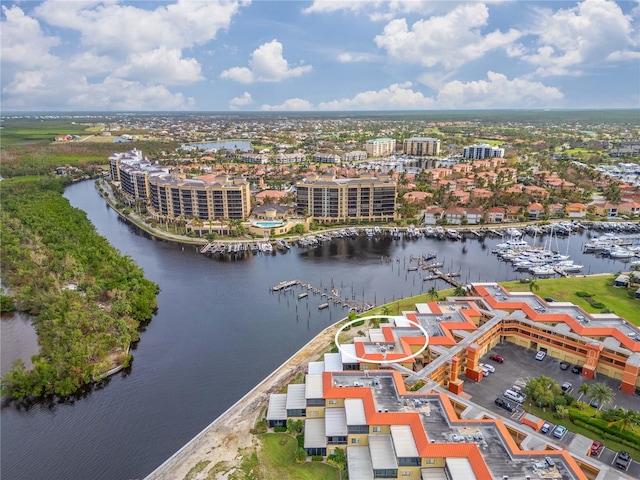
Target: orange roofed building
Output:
{"points": [[354, 400]]}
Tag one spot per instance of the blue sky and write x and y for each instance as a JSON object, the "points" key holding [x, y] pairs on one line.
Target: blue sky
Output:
{"points": [[237, 55]]}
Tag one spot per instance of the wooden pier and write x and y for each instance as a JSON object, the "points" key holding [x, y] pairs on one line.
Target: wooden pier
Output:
{"points": [[328, 296]]}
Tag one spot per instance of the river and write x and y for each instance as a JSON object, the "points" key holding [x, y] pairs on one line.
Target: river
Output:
{"points": [[218, 331]]}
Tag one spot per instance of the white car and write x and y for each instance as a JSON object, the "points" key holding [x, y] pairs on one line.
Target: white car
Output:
{"points": [[540, 355], [491, 368]]}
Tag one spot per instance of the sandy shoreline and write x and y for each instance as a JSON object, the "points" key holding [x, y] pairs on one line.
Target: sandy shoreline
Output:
{"points": [[230, 432]]}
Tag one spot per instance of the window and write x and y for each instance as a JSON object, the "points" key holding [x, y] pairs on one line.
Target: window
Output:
{"points": [[355, 440], [406, 473], [313, 413], [377, 429], [332, 402], [430, 461]]}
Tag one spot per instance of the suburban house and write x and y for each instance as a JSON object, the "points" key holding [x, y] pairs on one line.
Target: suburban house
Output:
{"points": [[576, 210], [495, 215]]}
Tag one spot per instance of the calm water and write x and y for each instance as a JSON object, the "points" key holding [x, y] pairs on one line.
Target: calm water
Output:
{"points": [[219, 330]]}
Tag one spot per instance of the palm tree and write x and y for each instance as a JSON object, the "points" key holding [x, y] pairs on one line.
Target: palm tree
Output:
{"points": [[460, 291], [602, 394], [584, 390], [626, 420], [534, 286], [433, 293]]}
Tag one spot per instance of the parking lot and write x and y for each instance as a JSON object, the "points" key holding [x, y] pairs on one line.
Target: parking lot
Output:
{"points": [[519, 366]]}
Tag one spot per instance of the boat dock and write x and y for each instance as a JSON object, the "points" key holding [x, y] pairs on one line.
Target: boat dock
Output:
{"points": [[328, 295]]}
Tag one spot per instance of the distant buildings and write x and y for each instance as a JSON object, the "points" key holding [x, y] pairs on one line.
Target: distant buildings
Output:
{"points": [[421, 146], [380, 147], [330, 199], [483, 150]]}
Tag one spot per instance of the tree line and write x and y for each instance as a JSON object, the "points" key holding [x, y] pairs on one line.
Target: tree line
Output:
{"points": [[87, 300]]}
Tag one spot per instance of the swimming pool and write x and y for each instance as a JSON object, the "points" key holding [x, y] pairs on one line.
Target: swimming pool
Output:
{"points": [[270, 224]]}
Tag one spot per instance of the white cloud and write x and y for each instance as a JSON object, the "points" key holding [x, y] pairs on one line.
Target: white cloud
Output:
{"points": [[355, 57], [293, 104], [242, 101], [267, 64], [395, 97], [162, 64], [107, 26], [24, 44], [378, 10], [497, 92], [450, 40], [582, 36]]}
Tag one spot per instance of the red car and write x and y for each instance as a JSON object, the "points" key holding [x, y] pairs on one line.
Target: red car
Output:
{"points": [[496, 358], [596, 448]]}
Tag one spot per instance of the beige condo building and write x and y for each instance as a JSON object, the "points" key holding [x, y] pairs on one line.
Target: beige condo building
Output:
{"points": [[421, 146], [329, 199]]}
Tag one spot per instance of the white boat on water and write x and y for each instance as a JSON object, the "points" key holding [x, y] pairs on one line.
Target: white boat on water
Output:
{"points": [[542, 271]]}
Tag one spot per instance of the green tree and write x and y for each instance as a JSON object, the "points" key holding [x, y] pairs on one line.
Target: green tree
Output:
{"points": [[338, 459], [602, 394], [626, 419], [301, 455], [460, 291], [432, 293], [543, 391], [584, 390], [534, 286], [294, 427]]}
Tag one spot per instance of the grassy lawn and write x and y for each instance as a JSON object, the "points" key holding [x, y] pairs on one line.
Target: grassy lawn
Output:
{"points": [[564, 290], [548, 415], [277, 459]]}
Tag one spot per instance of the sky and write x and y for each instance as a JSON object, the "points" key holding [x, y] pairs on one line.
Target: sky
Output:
{"points": [[320, 55]]}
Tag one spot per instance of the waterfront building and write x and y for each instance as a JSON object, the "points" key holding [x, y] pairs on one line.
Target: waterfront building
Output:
{"points": [[353, 401], [331, 199], [169, 196], [380, 147], [421, 146], [482, 150], [210, 197]]}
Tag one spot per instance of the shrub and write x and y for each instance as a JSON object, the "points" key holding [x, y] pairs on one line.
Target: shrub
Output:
{"points": [[262, 425], [598, 305], [279, 429], [317, 458], [300, 439], [358, 323], [584, 294]]}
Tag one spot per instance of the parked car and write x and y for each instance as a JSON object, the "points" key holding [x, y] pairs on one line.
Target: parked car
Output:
{"points": [[566, 387], [485, 370], [564, 366], [549, 299], [545, 428], [489, 367], [594, 403], [496, 358], [576, 369], [623, 459], [559, 431], [501, 402], [540, 355], [596, 448]]}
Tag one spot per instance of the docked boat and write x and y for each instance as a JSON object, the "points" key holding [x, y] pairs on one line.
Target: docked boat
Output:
{"points": [[322, 306], [302, 295]]}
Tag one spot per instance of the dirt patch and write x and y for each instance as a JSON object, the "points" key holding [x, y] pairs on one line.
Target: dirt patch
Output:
{"points": [[229, 435]]}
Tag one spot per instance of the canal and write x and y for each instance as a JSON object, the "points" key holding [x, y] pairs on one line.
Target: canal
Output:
{"points": [[218, 331]]}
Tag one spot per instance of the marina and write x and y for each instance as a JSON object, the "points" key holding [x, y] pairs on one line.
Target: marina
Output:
{"points": [[204, 329]]}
